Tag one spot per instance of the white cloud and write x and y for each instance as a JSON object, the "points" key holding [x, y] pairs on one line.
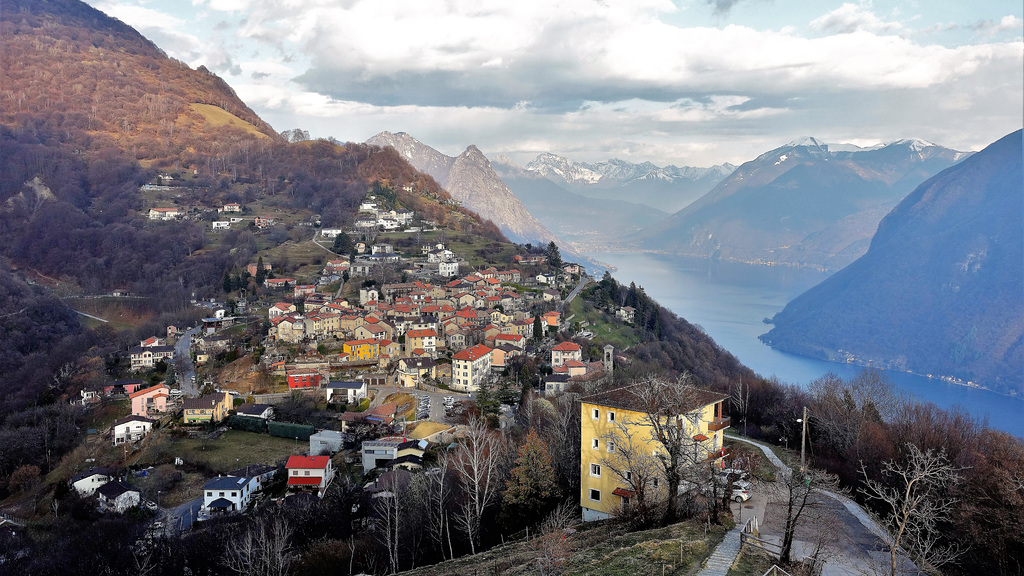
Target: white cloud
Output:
{"points": [[597, 78], [850, 18]]}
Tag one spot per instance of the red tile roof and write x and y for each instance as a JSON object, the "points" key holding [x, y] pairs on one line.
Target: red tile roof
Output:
{"points": [[567, 347], [304, 480], [474, 353], [307, 462]]}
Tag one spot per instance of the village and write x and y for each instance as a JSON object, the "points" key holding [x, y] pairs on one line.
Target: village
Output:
{"points": [[393, 368]]}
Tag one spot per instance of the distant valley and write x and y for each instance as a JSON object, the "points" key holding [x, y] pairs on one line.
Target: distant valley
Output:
{"points": [[802, 204]]}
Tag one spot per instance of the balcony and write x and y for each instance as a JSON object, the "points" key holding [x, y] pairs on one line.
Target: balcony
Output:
{"points": [[719, 424]]}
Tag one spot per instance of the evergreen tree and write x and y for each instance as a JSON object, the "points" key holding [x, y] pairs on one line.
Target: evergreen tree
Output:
{"points": [[261, 273], [554, 257], [486, 401], [342, 244], [532, 489], [538, 330], [226, 281]]}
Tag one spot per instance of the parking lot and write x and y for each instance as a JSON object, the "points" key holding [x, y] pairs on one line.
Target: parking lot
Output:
{"points": [[428, 404]]}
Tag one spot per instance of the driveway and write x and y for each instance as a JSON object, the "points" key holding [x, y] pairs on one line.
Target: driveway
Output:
{"points": [[180, 518], [847, 536]]}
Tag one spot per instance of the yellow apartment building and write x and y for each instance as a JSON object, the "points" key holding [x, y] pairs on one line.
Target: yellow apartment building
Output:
{"points": [[617, 415]]}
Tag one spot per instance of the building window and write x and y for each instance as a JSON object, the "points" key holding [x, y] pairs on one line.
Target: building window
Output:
{"points": [[629, 476], [595, 495], [595, 414], [307, 472], [595, 444], [655, 482], [611, 446], [234, 494], [611, 416], [595, 470]]}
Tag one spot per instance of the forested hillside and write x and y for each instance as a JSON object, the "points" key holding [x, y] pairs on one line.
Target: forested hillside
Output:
{"points": [[939, 291]]}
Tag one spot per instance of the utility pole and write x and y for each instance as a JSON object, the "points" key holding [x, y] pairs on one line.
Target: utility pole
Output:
{"points": [[803, 439]]}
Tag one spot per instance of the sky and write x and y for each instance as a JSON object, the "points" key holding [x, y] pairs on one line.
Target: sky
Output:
{"points": [[683, 82]]}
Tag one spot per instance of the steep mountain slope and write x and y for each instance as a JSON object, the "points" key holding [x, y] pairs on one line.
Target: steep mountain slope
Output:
{"points": [[940, 289], [800, 204], [596, 224], [69, 68], [666, 189], [90, 111], [470, 179]]}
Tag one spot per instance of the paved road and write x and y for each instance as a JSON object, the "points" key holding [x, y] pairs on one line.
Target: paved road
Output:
{"points": [[854, 545], [183, 349], [584, 280], [181, 518]]}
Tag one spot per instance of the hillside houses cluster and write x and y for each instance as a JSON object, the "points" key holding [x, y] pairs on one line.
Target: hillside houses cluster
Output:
{"points": [[404, 328]]}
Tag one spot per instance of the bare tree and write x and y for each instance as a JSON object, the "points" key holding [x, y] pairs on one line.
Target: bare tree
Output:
{"points": [[799, 491], [630, 458], [264, 549], [669, 417], [741, 401], [388, 511], [914, 502], [439, 497], [478, 462], [551, 548]]}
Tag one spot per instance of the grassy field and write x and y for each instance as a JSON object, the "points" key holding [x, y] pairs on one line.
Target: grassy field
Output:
{"points": [[752, 562], [217, 116], [601, 550], [606, 330], [120, 313]]}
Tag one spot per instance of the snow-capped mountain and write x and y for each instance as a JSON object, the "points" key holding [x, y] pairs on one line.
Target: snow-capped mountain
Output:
{"points": [[802, 204], [616, 172]]}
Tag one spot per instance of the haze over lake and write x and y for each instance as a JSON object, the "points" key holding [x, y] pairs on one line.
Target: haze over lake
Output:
{"points": [[730, 301]]}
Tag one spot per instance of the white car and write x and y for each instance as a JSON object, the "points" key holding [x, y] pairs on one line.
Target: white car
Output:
{"points": [[740, 494]]}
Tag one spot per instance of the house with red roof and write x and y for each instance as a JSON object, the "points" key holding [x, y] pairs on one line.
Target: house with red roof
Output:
{"points": [[470, 367], [312, 474], [565, 352], [149, 400]]}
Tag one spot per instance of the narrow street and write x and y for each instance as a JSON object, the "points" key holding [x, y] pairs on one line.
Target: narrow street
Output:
{"points": [[183, 350]]}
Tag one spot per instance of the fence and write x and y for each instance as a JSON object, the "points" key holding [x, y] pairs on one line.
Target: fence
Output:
{"points": [[749, 536]]}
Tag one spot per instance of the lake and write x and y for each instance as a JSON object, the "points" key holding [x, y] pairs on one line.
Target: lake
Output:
{"points": [[730, 301]]}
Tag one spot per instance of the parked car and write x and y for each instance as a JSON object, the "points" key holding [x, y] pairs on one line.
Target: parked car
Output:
{"points": [[739, 494]]}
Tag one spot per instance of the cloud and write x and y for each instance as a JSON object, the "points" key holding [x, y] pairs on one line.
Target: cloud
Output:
{"points": [[1009, 23], [722, 7], [598, 79], [850, 18]]}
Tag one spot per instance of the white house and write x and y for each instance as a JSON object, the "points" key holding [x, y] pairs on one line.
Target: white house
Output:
{"points": [[116, 496], [227, 494], [131, 429], [221, 224], [546, 278], [86, 483], [309, 474], [265, 411], [470, 367], [330, 232], [448, 269], [347, 392], [326, 442]]}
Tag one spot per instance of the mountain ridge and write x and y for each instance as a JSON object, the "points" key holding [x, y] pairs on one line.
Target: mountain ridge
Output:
{"points": [[938, 290], [800, 204], [470, 179]]}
